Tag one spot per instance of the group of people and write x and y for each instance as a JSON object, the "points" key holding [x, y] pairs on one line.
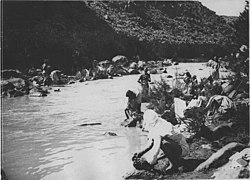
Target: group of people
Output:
{"points": [[161, 133], [135, 98]]}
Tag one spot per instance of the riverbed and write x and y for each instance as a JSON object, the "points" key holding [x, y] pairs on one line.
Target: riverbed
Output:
{"points": [[42, 139]]}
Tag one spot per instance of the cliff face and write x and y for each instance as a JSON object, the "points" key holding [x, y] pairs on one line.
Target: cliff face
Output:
{"points": [[72, 34]]}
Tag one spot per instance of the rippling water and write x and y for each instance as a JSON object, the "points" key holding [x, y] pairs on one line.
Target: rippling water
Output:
{"points": [[42, 138]]}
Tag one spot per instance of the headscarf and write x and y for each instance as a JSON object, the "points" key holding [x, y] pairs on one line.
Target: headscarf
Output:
{"points": [[150, 118]]}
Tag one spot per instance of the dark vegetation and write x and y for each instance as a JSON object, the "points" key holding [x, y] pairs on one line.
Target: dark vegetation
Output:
{"points": [[72, 34]]}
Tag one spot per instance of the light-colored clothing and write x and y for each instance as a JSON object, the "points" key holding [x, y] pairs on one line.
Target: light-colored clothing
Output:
{"points": [[54, 76], [179, 107], [158, 129]]}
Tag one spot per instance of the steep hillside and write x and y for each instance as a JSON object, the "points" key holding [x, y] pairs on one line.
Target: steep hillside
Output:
{"points": [[72, 34], [230, 19]]}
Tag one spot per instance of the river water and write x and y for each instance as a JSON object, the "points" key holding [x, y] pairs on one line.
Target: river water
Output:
{"points": [[42, 139]]}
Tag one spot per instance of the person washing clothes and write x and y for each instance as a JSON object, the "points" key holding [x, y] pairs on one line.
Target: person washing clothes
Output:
{"points": [[133, 109], [161, 135]]}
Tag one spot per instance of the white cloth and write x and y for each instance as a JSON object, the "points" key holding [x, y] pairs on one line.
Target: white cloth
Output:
{"points": [[179, 107], [54, 76], [159, 128]]}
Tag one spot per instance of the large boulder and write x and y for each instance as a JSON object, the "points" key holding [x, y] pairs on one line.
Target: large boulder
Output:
{"points": [[14, 87], [133, 71], [167, 62], [104, 64], [11, 73], [133, 65], [119, 59], [18, 83]]}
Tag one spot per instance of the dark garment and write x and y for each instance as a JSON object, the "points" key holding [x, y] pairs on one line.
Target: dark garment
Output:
{"points": [[172, 150], [144, 79]]}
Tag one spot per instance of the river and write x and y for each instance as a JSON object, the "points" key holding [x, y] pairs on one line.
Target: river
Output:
{"points": [[42, 139]]}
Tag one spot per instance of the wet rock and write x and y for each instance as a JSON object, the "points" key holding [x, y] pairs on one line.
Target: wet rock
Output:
{"points": [[15, 87], [90, 124], [71, 82], [110, 134]]}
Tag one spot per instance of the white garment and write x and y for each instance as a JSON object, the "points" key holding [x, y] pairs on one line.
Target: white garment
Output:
{"points": [[159, 128], [179, 107]]}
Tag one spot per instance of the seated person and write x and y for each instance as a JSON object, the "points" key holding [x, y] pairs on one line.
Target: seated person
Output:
{"points": [[133, 109], [161, 136]]}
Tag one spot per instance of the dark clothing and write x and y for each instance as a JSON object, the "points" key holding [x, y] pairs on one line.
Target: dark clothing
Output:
{"points": [[144, 79], [172, 150]]}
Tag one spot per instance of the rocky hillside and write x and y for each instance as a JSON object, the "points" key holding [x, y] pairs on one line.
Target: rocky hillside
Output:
{"points": [[72, 34]]}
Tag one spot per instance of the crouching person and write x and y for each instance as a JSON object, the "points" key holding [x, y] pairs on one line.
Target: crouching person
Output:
{"points": [[133, 110], [161, 136]]}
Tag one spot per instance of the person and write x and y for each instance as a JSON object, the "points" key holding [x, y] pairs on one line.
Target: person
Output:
{"points": [[215, 73], [144, 80], [161, 135], [187, 80], [134, 103], [194, 85], [133, 109], [46, 72]]}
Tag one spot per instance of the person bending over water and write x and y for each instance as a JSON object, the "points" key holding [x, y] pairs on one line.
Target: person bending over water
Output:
{"points": [[133, 109], [161, 136]]}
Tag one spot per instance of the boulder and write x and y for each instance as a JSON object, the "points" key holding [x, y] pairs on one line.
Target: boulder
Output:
{"points": [[15, 87], [133, 71], [133, 65], [153, 71], [11, 73], [119, 59]]}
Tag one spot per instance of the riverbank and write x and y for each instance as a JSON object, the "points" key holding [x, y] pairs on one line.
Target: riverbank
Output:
{"points": [[43, 138], [216, 136]]}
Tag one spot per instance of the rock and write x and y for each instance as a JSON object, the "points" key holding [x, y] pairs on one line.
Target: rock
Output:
{"points": [[153, 71], [169, 76], [71, 82], [6, 85], [110, 134], [17, 82], [217, 155], [57, 90], [15, 87], [237, 167], [37, 94], [11, 73], [119, 59], [133, 65], [90, 124], [133, 71]]}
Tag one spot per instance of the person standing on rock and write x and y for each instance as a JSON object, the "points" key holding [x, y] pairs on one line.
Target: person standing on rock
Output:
{"points": [[144, 80], [46, 72], [161, 135]]}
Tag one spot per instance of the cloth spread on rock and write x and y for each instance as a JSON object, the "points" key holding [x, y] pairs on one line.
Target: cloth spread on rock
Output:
{"points": [[219, 103], [179, 107]]}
